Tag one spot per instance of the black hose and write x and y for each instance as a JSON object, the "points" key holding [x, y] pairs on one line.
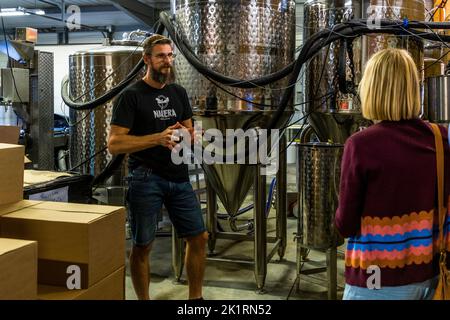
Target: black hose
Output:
{"points": [[188, 53], [108, 95], [203, 69], [313, 45], [112, 166], [405, 24], [342, 66], [102, 99]]}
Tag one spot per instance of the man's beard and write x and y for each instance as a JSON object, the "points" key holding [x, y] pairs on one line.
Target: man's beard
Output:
{"points": [[167, 77]]}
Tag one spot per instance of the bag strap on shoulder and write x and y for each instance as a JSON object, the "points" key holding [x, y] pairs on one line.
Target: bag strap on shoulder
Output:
{"points": [[440, 181]]}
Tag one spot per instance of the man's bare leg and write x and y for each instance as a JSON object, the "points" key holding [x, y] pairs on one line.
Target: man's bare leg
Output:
{"points": [[195, 264], [140, 270]]}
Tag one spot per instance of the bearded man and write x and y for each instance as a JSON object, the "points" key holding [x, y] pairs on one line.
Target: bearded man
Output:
{"points": [[145, 118]]}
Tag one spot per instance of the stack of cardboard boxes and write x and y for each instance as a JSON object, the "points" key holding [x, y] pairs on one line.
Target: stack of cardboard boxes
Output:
{"points": [[51, 250]]}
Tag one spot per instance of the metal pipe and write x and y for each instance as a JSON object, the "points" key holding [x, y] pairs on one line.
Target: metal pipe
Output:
{"points": [[173, 7], [332, 273], [237, 228], [299, 168], [248, 262], [62, 166], [281, 216], [211, 218], [234, 236], [305, 134], [260, 244], [299, 259], [177, 255], [302, 252], [139, 33], [275, 249], [241, 237]]}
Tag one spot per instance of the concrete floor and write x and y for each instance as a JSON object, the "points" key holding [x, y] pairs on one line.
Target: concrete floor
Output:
{"points": [[230, 280]]}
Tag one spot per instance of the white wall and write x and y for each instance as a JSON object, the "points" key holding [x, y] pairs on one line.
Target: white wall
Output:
{"points": [[61, 68]]}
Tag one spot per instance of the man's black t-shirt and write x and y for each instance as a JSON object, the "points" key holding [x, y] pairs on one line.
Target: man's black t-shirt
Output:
{"points": [[147, 110]]}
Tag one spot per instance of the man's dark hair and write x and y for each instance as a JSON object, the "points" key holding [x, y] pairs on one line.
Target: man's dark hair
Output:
{"points": [[152, 41]]}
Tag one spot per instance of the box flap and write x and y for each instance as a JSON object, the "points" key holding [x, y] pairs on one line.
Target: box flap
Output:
{"points": [[18, 270], [58, 238], [8, 245], [77, 207], [55, 216], [111, 287], [11, 173], [46, 292], [10, 146], [11, 207]]}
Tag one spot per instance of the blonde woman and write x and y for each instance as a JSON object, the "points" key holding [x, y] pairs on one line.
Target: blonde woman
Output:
{"points": [[388, 187]]}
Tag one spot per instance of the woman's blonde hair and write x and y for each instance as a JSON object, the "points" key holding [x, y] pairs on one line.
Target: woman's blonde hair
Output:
{"points": [[389, 89]]}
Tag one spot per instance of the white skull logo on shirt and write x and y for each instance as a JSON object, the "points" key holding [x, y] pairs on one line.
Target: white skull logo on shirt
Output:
{"points": [[162, 101]]}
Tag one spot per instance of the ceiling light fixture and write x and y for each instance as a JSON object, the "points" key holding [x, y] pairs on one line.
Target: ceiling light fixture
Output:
{"points": [[15, 12], [11, 12]]}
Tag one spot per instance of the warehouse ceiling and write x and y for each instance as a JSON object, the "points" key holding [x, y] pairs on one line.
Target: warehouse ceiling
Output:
{"points": [[107, 16], [95, 13]]}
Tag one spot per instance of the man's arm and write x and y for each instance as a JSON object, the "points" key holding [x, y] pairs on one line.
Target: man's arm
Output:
{"points": [[187, 123], [121, 142]]}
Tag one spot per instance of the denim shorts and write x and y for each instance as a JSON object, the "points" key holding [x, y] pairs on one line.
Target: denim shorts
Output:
{"points": [[415, 291], [147, 192]]}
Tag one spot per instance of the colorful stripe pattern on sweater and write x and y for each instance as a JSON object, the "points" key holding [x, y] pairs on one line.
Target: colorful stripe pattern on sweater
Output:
{"points": [[396, 241]]}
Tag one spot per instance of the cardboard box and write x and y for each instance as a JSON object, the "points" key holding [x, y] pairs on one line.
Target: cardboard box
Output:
{"points": [[110, 288], [77, 207], [11, 173], [90, 237], [9, 134], [18, 269], [11, 207]]}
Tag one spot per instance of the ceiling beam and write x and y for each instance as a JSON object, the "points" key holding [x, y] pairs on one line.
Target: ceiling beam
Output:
{"points": [[52, 3], [84, 9], [141, 12], [125, 28]]}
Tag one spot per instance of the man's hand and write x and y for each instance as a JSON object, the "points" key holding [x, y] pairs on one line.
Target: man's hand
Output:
{"points": [[166, 137], [196, 135]]}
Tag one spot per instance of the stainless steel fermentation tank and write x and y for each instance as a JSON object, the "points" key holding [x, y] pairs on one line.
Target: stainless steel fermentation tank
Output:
{"points": [[92, 73], [319, 170], [395, 10], [334, 116], [438, 89], [244, 39], [436, 71], [329, 109]]}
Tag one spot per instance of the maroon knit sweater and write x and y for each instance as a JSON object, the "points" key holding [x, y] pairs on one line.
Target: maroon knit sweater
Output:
{"points": [[386, 201]]}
